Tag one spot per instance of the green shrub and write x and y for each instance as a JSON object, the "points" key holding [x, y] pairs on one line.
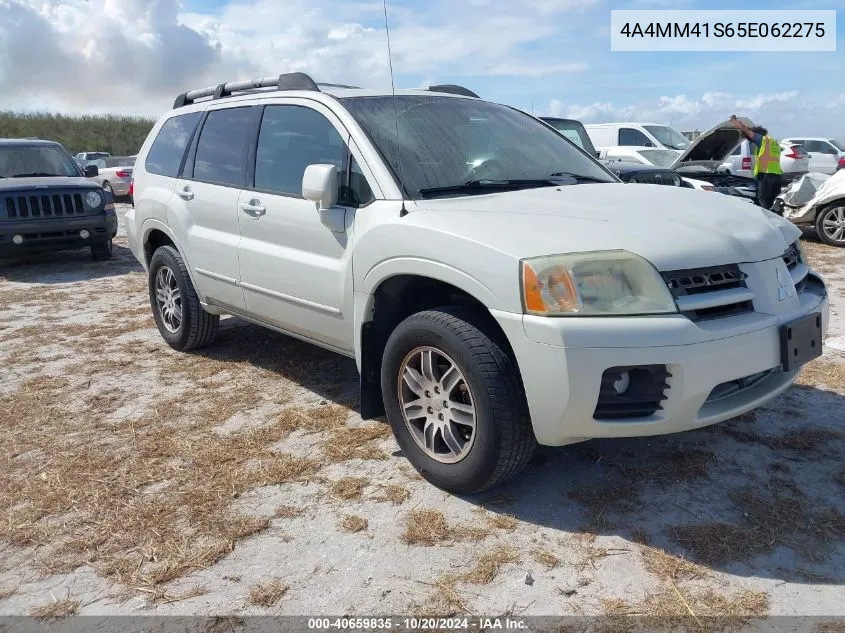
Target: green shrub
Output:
{"points": [[115, 134]]}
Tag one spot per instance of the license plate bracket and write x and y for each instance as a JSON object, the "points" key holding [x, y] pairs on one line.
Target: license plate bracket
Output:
{"points": [[801, 341]]}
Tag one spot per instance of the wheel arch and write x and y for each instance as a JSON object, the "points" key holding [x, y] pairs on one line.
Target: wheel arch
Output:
{"points": [[156, 234], [394, 298]]}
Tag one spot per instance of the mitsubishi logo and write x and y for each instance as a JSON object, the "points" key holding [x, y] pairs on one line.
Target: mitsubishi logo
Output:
{"points": [[785, 291]]}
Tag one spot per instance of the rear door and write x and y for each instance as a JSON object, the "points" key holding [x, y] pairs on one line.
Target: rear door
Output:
{"points": [[205, 204], [296, 272]]}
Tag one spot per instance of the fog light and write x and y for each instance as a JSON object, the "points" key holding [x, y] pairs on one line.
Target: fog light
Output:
{"points": [[18, 239], [621, 386], [84, 234]]}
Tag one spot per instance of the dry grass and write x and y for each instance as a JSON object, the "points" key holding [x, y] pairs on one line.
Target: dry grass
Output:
{"points": [[7, 593], [488, 565], [823, 372], [768, 521], [348, 488], [392, 493], [545, 558], [352, 523], [56, 609], [426, 527], [268, 593], [356, 442], [621, 494], [144, 502], [445, 601], [669, 567], [288, 512], [674, 608], [504, 522]]}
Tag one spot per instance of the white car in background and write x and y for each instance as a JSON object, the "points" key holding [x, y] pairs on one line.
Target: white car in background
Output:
{"points": [[648, 156], [637, 135], [794, 161], [827, 155]]}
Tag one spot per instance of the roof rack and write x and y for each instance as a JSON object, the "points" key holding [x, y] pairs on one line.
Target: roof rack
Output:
{"points": [[287, 81], [453, 89]]}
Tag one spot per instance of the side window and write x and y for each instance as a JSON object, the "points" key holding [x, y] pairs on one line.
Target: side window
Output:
{"points": [[630, 136], [291, 138], [222, 147], [358, 193], [814, 146], [168, 148]]}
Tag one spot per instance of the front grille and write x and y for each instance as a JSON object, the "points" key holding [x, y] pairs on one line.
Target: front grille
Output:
{"points": [[57, 205], [646, 389], [710, 293], [792, 257]]}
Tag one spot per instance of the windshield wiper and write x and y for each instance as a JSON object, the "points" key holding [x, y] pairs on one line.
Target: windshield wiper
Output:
{"points": [[37, 174], [481, 186], [566, 174]]}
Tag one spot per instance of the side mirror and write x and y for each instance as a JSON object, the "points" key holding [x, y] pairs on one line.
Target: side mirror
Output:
{"points": [[598, 154], [90, 171], [648, 144], [319, 185]]}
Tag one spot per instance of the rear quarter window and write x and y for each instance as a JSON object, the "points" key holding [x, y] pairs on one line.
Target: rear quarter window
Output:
{"points": [[168, 148]]}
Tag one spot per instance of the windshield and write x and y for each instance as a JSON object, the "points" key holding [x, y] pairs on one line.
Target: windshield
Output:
{"points": [[668, 136], [449, 141], [575, 132], [659, 157], [838, 144], [18, 161]]}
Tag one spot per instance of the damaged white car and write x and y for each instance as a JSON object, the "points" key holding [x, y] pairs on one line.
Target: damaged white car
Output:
{"points": [[817, 200]]}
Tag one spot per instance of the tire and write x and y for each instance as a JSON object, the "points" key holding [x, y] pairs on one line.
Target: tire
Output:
{"points": [[830, 224], [502, 442], [102, 251], [195, 327]]}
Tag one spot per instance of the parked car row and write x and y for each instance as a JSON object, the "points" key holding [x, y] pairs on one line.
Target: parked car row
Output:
{"points": [[497, 285]]}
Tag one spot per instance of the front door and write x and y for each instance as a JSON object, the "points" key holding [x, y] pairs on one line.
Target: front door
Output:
{"points": [[296, 272]]}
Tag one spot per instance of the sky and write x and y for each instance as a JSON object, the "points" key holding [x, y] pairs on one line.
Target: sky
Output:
{"points": [[544, 56]]}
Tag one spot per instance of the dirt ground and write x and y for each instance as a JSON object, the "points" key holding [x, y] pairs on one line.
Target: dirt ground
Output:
{"points": [[241, 480]]}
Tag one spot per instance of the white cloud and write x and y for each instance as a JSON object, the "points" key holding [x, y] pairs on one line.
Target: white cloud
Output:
{"points": [[137, 55], [783, 113]]}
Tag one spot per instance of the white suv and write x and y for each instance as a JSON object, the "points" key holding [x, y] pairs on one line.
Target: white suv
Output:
{"points": [[496, 285]]}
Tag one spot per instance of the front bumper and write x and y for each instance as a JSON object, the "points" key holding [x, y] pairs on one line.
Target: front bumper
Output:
{"points": [[562, 361], [56, 233]]}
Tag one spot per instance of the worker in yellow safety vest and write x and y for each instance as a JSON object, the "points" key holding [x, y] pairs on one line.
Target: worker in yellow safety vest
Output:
{"points": [[767, 169]]}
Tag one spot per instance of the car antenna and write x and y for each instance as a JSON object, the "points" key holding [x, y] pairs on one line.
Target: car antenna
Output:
{"points": [[403, 212]]}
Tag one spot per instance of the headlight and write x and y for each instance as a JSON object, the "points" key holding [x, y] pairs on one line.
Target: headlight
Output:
{"points": [[800, 248], [596, 283], [93, 199]]}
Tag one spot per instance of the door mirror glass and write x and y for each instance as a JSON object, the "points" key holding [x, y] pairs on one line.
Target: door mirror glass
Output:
{"points": [[91, 171], [319, 185]]}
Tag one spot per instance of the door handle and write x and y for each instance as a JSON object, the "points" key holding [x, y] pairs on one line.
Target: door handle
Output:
{"points": [[252, 208], [186, 193]]}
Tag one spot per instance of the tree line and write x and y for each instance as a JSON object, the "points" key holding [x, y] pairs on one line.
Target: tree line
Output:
{"points": [[118, 135]]}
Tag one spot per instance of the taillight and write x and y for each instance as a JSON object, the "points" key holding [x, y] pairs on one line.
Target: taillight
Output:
{"points": [[131, 186], [794, 152], [123, 174], [842, 163], [746, 162]]}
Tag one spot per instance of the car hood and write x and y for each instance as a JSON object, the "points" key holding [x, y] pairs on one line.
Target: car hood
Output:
{"points": [[52, 182], [714, 145], [673, 227]]}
